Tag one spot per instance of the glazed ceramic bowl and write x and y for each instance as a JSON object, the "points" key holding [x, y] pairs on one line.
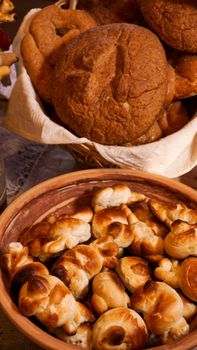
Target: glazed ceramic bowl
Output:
{"points": [[59, 193]]}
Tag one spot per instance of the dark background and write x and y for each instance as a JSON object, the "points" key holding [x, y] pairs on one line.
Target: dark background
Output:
{"points": [[21, 8]]}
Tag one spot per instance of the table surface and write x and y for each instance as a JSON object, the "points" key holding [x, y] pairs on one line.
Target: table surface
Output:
{"points": [[28, 163]]}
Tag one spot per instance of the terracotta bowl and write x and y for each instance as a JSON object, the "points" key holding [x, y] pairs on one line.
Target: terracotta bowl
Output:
{"points": [[59, 193]]}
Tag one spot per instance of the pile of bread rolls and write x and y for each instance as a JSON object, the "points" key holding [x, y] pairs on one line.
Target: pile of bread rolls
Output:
{"points": [[118, 273], [118, 72]]}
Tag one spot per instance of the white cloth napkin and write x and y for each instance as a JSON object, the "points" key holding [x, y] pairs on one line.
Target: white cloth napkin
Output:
{"points": [[171, 156]]}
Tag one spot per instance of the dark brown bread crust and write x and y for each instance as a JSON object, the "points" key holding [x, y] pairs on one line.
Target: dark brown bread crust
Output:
{"points": [[175, 21], [110, 83], [116, 11], [50, 29]]}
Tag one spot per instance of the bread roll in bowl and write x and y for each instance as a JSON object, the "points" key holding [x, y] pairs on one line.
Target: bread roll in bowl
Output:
{"points": [[162, 308], [108, 292], [189, 278], [133, 271], [121, 329]]}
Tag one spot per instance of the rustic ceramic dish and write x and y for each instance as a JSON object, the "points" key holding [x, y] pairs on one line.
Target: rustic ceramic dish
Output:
{"points": [[60, 193]]}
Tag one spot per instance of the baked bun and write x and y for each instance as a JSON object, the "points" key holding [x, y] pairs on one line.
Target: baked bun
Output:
{"points": [[114, 196], [133, 271], [82, 337], [114, 222], [108, 292], [50, 29], [181, 241], [14, 258], [76, 267], [97, 92], [143, 213], [107, 249], [145, 242], [175, 21], [45, 240], [162, 308], [51, 302], [120, 328], [189, 278], [168, 213], [169, 271]]}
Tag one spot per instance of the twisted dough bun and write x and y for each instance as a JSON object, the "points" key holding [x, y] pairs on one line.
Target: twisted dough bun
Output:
{"points": [[114, 196], [181, 241], [143, 213], [145, 242], [178, 274], [113, 221], [108, 292], [50, 29], [121, 329], [162, 308], [168, 213], [82, 337], [76, 267], [97, 91], [20, 266], [133, 271], [107, 249], [189, 278], [51, 302], [175, 21], [45, 239]]}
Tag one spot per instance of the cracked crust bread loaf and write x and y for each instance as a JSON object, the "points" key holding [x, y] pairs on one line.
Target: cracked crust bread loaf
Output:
{"points": [[175, 21], [110, 83]]}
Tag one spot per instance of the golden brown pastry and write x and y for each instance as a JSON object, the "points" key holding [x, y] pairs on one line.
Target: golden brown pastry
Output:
{"points": [[190, 308], [175, 21], [120, 328], [181, 241], [97, 92], [108, 292], [179, 274], [50, 301], [169, 271], [114, 222], [145, 242], [50, 29], [133, 271], [162, 308], [173, 118], [143, 213], [189, 278], [107, 249], [20, 266], [76, 267], [168, 213], [45, 240], [114, 196], [82, 337], [6, 8]]}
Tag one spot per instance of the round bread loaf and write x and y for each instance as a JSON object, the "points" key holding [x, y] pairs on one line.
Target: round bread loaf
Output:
{"points": [[175, 21], [50, 29], [110, 83]]}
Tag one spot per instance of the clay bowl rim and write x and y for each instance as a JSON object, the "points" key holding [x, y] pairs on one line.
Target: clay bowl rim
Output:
{"points": [[27, 327]]}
